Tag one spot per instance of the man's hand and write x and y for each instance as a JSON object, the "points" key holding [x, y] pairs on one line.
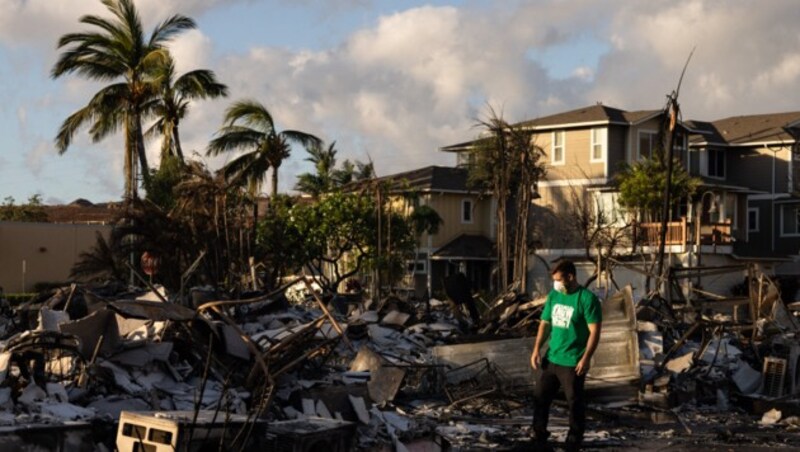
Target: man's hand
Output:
{"points": [[582, 367], [536, 360]]}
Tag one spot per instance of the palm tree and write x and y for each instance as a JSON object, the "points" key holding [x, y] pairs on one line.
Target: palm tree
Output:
{"points": [[116, 50], [353, 172], [171, 106], [248, 125], [323, 180]]}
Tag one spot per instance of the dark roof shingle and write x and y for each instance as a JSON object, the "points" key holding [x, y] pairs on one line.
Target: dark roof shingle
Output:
{"points": [[749, 129]]}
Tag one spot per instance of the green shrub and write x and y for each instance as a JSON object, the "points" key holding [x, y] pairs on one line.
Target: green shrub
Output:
{"points": [[16, 299]]}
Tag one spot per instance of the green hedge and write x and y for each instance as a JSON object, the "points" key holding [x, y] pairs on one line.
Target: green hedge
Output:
{"points": [[15, 299]]}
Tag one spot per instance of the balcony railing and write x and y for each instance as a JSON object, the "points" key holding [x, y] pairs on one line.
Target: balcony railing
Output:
{"points": [[681, 232]]}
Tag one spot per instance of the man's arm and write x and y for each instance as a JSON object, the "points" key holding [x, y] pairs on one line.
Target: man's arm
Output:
{"points": [[544, 331], [591, 346]]}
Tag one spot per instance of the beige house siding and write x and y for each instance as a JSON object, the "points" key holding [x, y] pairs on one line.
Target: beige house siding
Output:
{"points": [[552, 216], [448, 206], [753, 168], [48, 251], [577, 153]]}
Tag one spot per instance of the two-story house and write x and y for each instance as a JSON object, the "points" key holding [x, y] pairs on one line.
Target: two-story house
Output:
{"points": [[463, 242], [750, 164], [744, 209]]}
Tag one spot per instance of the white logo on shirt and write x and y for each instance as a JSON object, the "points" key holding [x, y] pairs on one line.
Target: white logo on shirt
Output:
{"points": [[562, 314]]}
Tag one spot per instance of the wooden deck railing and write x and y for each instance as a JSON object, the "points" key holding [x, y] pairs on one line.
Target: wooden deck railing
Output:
{"points": [[678, 233]]}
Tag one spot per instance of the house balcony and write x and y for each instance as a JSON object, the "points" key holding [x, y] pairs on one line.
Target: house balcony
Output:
{"points": [[680, 233]]}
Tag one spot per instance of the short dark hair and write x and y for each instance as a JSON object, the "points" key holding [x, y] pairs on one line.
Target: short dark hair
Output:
{"points": [[565, 268]]}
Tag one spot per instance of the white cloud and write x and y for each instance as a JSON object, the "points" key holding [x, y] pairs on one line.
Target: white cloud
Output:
{"points": [[36, 157], [41, 22], [416, 79]]}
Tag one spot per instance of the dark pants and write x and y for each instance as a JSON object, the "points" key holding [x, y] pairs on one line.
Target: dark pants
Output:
{"points": [[546, 388]]}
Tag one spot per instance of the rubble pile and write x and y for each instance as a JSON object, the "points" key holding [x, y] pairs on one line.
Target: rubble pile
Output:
{"points": [[394, 374]]}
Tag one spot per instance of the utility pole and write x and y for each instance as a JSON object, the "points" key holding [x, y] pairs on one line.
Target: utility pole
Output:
{"points": [[673, 110]]}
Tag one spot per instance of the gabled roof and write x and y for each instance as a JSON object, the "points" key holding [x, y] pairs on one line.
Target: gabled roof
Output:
{"points": [[750, 129], [429, 178], [466, 247], [593, 114]]}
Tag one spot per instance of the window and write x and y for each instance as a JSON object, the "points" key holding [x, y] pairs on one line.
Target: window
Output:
{"points": [[599, 140], [134, 431], [416, 267], [160, 436], [648, 141], [752, 219], [607, 210], [466, 211], [465, 159], [557, 150], [716, 163], [790, 221]]}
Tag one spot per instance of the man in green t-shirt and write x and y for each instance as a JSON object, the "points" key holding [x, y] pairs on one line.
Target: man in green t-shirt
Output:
{"points": [[572, 318]]}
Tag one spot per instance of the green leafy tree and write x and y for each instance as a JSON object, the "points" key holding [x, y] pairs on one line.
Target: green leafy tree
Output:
{"points": [[164, 180], [339, 236], [32, 211], [116, 50], [641, 186], [172, 104], [280, 244]]}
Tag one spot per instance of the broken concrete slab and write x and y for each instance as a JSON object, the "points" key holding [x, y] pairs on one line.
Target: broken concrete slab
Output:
{"points": [[395, 318], [385, 380], [91, 328], [234, 344], [361, 409], [147, 353]]}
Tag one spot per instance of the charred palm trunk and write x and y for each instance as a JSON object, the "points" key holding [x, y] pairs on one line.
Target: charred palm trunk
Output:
{"points": [[176, 137]]}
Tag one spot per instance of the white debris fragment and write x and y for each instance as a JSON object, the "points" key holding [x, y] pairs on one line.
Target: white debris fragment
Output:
{"points": [[360, 408], [771, 417], [681, 363], [67, 411], [323, 411]]}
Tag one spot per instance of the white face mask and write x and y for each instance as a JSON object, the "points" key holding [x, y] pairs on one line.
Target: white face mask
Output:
{"points": [[559, 286]]}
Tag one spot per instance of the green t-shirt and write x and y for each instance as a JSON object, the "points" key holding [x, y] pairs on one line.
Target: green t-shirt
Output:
{"points": [[569, 316]]}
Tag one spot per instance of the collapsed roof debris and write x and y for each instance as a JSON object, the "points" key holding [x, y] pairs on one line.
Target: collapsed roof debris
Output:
{"points": [[347, 373]]}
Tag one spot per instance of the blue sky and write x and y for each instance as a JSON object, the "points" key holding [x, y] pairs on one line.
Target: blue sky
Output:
{"points": [[395, 80]]}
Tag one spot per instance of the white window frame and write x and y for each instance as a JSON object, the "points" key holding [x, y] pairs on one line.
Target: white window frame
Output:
{"points": [[563, 147], [464, 210], [708, 158], [653, 139], [613, 208], [757, 211], [601, 141], [420, 266]]}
